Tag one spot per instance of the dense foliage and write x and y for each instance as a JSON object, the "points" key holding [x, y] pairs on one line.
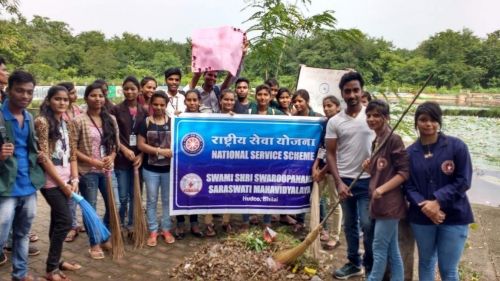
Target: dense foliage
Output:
{"points": [[459, 59]]}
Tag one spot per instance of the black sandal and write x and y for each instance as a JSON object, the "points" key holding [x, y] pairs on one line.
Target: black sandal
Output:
{"points": [[179, 233]]}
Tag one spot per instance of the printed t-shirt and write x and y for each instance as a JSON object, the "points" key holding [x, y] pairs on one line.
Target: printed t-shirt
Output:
{"points": [[157, 136]]}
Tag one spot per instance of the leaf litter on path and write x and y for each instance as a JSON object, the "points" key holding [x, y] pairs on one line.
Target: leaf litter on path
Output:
{"points": [[243, 257]]}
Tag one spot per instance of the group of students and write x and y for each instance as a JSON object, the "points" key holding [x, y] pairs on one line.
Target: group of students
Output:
{"points": [[66, 149], [69, 148], [424, 185]]}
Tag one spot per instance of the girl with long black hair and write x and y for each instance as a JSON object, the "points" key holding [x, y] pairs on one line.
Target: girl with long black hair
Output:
{"points": [[129, 115], [97, 143], [58, 158]]}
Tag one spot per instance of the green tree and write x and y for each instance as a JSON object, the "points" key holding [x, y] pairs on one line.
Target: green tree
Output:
{"points": [[274, 22], [90, 39], [101, 62], [488, 58], [453, 53], [42, 71], [162, 60], [10, 6], [14, 46]]}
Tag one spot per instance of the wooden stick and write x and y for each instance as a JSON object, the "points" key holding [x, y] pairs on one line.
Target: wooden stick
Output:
{"points": [[314, 248], [118, 249], [140, 228]]}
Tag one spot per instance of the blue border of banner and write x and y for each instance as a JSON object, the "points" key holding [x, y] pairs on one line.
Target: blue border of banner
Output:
{"points": [[183, 118]]}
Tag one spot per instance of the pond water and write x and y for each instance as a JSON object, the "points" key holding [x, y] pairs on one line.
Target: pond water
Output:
{"points": [[482, 136]]}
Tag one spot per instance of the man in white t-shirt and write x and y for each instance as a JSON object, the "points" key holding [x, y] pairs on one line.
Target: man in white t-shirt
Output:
{"points": [[176, 104], [348, 142]]}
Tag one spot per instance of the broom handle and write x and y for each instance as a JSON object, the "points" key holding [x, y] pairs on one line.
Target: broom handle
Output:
{"points": [[377, 149]]}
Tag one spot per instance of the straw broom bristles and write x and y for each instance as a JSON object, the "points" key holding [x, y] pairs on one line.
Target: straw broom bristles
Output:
{"points": [[118, 249], [314, 220], [289, 255], [140, 228]]}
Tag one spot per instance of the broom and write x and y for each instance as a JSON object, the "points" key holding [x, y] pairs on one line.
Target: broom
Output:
{"points": [[117, 250], [140, 228], [94, 226], [314, 248], [290, 255]]}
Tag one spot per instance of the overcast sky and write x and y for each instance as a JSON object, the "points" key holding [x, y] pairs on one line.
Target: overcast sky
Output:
{"points": [[404, 22]]}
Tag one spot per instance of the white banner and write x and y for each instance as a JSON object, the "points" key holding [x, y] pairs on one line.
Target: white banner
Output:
{"points": [[320, 82]]}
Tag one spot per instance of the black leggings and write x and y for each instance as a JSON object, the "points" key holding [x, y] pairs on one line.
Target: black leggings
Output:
{"points": [[60, 224]]}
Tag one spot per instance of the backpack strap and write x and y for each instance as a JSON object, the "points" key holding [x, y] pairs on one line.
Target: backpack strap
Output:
{"points": [[32, 130], [32, 126], [3, 130], [217, 92]]}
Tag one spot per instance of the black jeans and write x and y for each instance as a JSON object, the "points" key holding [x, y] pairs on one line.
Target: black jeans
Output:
{"points": [[193, 219], [60, 224]]}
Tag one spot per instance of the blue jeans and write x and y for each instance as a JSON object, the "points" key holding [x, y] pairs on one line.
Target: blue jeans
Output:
{"points": [[441, 243], [89, 184], [17, 213], [156, 183], [125, 179], [385, 246], [355, 211], [72, 209]]}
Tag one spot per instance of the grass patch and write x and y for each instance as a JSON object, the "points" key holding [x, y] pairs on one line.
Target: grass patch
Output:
{"points": [[467, 274], [491, 112]]}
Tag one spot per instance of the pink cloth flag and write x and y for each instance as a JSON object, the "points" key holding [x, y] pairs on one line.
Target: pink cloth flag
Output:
{"points": [[217, 49]]}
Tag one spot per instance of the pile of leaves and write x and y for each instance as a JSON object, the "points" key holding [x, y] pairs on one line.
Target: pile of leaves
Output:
{"points": [[242, 257]]}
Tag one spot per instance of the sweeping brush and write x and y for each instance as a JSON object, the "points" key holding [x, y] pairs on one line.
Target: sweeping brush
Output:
{"points": [[118, 249], [94, 226], [290, 255], [140, 228], [314, 220]]}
